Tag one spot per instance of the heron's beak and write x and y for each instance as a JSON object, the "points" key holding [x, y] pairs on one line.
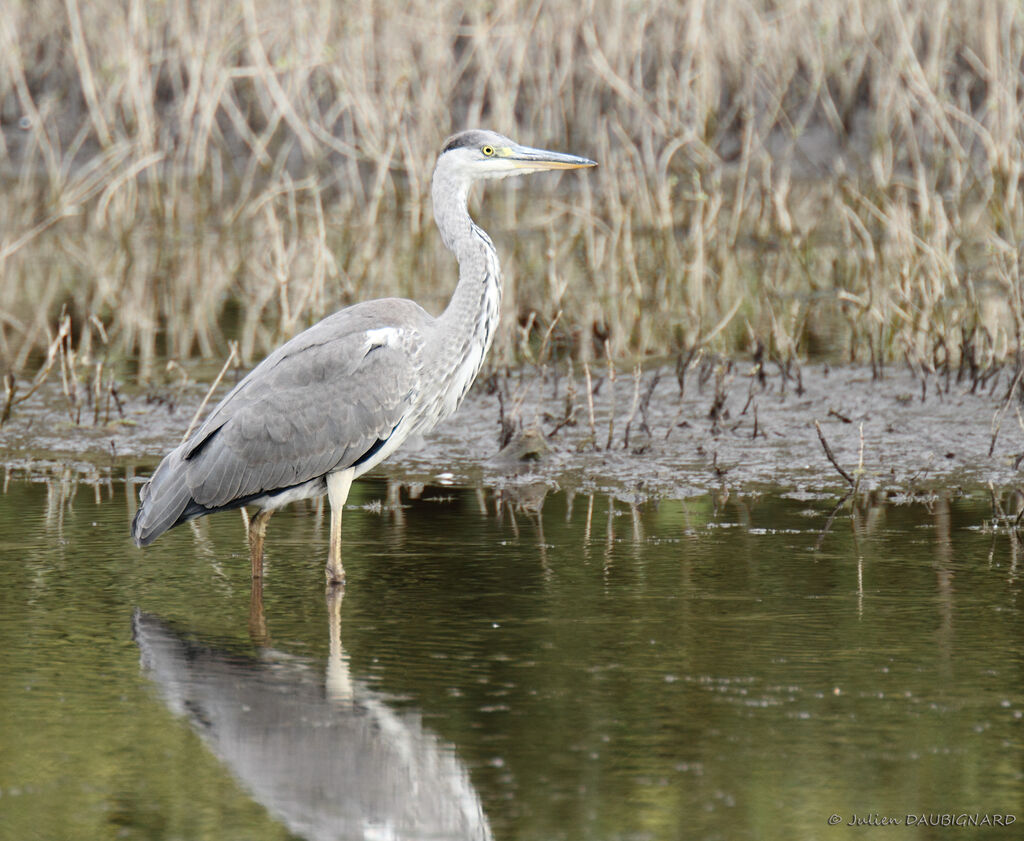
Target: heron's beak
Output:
{"points": [[524, 158]]}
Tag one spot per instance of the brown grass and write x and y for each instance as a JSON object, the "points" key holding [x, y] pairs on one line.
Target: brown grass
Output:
{"points": [[826, 178]]}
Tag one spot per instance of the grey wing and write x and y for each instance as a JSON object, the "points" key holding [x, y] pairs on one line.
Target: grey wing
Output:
{"points": [[324, 401]]}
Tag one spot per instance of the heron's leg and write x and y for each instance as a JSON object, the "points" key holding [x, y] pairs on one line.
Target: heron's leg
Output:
{"points": [[339, 680], [338, 485], [257, 618], [257, 531]]}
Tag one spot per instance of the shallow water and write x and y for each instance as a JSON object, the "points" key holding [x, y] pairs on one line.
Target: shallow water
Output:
{"points": [[554, 667]]}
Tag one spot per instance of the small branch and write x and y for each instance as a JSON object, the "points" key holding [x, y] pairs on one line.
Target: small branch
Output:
{"points": [[682, 366], [590, 404], [11, 397], [545, 342], [232, 356], [831, 519], [860, 462], [634, 407], [645, 403], [569, 417], [997, 418], [611, 394], [831, 456], [10, 389]]}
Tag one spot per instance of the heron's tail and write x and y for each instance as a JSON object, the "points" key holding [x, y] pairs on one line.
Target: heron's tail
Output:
{"points": [[162, 500]]}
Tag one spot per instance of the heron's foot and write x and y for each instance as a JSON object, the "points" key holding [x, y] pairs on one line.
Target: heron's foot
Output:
{"points": [[335, 576], [335, 595]]}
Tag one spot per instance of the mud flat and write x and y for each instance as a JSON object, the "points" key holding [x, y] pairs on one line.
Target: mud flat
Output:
{"points": [[641, 434]]}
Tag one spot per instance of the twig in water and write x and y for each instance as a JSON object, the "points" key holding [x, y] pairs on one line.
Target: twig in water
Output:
{"points": [[860, 462], [645, 403], [997, 418], [504, 433], [831, 519], [10, 387], [611, 394], [634, 407], [232, 357], [759, 364], [831, 456], [1016, 522], [718, 412], [997, 509], [68, 378], [704, 372], [509, 420], [750, 399], [97, 392], [569, 417], [590, 404], [719, 471], [682, 366], [117, 399]]}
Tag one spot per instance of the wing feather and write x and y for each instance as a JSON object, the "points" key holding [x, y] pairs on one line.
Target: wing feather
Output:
{"points": [[316, 404]]}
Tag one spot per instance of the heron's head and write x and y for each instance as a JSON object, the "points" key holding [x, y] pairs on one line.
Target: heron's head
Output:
{"points": [[486, 154]]}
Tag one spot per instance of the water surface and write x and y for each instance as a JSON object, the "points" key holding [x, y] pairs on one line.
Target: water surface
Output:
{"points": [[564, 666]]}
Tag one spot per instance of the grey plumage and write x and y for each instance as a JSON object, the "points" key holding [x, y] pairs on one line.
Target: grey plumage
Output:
{"points": [[323, 399], [344, 394]]}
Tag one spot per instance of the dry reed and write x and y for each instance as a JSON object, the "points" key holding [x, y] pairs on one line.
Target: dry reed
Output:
{"points": [[810, 176]]}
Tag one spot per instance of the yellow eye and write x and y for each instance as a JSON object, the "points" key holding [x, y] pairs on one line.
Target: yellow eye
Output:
{"points": [[488, 151]]}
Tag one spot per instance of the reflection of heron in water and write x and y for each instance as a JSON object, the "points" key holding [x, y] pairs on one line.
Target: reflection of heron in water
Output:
{"points": [[329, 759], [340, 397]]}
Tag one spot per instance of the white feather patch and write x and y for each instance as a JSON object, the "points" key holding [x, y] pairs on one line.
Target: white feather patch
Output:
{"points": [[383, 336]]}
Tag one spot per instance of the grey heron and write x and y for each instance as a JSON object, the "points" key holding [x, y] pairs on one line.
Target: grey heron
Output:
{"points": [[342, 396]]}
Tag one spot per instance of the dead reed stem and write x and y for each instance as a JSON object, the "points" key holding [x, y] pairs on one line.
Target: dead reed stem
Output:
{"points": [[590, 404], [231, 360], [831, 456], [192, 178]]}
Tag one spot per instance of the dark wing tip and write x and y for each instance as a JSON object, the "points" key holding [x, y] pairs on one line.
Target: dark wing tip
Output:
{"points": [[138, 536]]}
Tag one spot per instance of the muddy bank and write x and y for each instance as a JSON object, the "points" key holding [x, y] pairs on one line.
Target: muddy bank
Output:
{"points": [[643, 436]]}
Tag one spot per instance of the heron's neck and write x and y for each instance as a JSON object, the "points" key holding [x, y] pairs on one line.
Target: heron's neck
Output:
{"points": [[469, 321]]}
